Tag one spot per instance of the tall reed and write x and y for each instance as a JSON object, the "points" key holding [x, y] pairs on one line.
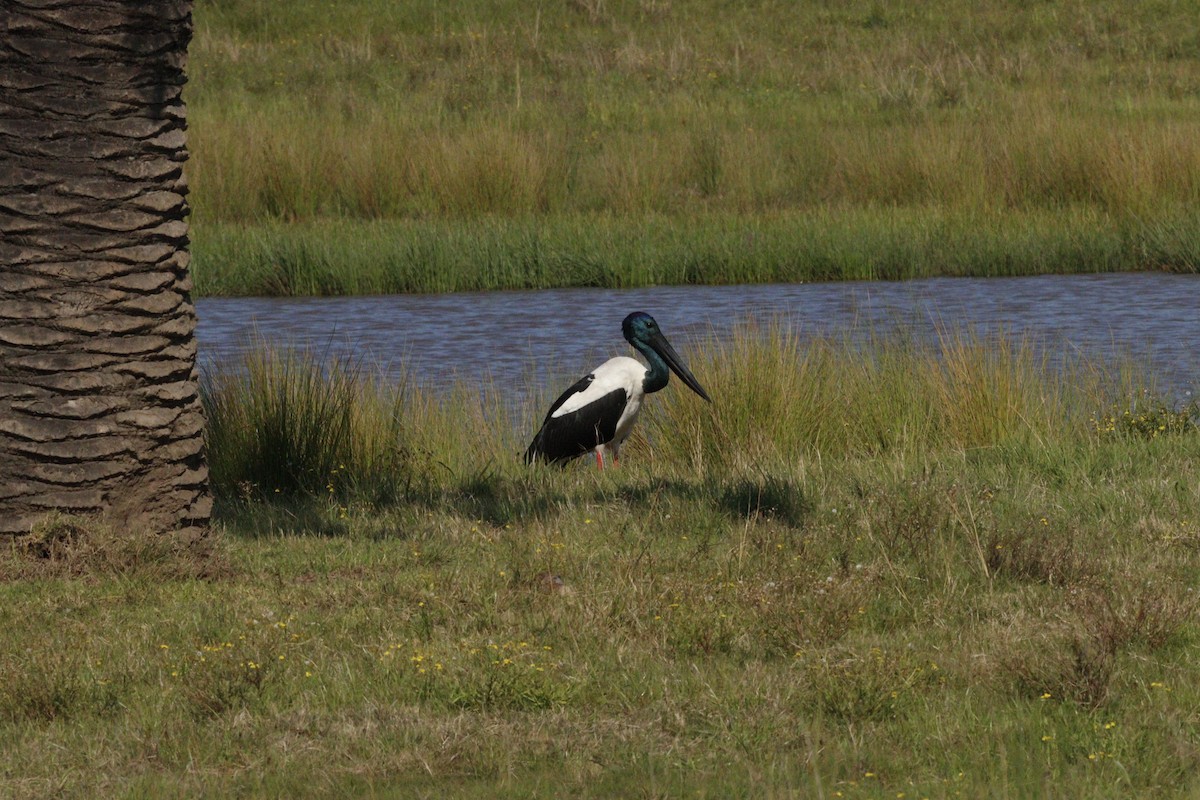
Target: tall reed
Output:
{"points": [[282, 422]]}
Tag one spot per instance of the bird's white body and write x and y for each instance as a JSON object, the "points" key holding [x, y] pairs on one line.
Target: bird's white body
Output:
{"points": [[617, 374], [596, 413]]}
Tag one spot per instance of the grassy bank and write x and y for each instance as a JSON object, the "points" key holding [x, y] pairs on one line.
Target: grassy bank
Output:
{"points": [[338, 257], [938, 573], [1015, 125]]}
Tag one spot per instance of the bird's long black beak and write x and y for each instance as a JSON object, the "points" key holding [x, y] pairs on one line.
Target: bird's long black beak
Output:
{"points": [[664, 349]]}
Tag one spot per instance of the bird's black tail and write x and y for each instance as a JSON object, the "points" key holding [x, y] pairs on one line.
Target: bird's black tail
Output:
{"points": [[534, 451]]}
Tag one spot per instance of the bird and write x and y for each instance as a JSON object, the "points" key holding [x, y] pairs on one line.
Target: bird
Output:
{"points": [[598, 411]]}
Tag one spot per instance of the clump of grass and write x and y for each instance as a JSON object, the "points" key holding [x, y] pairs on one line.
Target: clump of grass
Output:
{"points": [[1062, 664], [770, 497], [506, 676], [51, 687], [860, 687], [282, 422], [234, 667], [822, 607], [1037, 551], [1075, 654]]}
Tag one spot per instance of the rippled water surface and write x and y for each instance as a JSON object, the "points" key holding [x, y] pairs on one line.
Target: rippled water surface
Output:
{"points": [[515, 336]]}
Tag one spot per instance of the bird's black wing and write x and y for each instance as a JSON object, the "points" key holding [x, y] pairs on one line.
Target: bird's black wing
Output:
{"points": [[571, 435], [579, 386]]}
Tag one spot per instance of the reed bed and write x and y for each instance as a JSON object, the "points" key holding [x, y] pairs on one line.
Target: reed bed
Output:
{"points": [[870, 567], [1042, 138], [338, 257]]}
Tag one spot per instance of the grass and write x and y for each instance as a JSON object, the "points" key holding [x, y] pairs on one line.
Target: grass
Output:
{"points": [[501, 145], [938, 571], [285, 424], [339, 257]]}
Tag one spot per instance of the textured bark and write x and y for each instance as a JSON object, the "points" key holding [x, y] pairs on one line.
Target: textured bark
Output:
{"points": [[99, 409]]}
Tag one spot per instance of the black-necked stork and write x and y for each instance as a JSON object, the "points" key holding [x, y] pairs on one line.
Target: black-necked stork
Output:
{"points": [[598, 412]]}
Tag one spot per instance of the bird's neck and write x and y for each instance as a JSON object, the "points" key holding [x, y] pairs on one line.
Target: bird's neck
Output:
{"points": [[658, 374]]}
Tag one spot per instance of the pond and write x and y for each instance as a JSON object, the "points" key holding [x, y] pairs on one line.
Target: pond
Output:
{"points": [[516, 336]]}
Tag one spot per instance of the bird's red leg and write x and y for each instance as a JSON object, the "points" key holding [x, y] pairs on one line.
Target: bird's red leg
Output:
{"points": [[599, 459]]}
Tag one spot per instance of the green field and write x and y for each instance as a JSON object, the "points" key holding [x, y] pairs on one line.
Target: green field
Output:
{"points": [[377, 146], [869, 569], [864, 571]]}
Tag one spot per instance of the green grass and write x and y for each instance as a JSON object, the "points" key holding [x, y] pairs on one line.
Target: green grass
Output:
{"points": [[284, 424], [950, 572], [632, 142], [337, 257]]}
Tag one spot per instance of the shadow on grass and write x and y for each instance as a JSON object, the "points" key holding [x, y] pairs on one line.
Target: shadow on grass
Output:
{"points": [[294, 515], [500, 501], [766, 497]]}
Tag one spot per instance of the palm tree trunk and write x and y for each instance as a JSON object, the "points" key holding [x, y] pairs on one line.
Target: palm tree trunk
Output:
{"points": [[99, 409]]}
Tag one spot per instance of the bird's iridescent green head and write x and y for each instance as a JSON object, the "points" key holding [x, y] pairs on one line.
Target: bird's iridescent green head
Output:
{"points": [[643, 333], [639, 326]]}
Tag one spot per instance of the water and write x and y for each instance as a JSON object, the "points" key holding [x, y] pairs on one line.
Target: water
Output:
{"points": [[512, 336]]}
